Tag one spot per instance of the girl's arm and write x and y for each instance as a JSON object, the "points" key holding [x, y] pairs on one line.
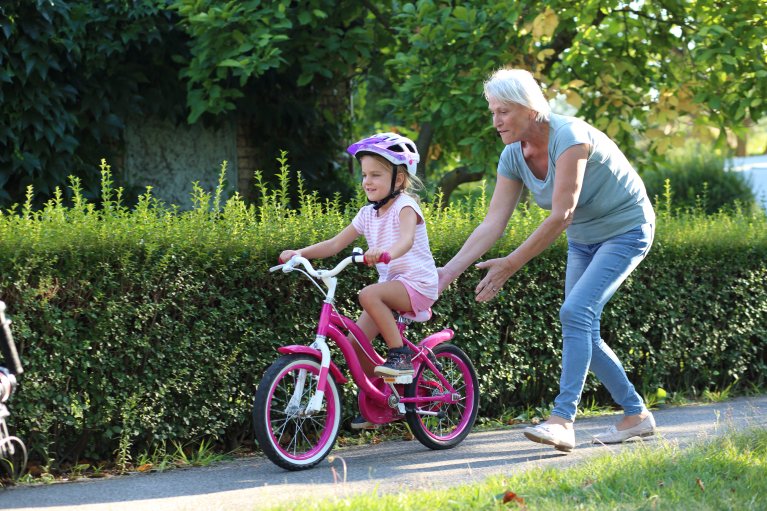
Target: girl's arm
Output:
{"points": [[408, 219], [571, 167], [502, 204], [325, 248]]}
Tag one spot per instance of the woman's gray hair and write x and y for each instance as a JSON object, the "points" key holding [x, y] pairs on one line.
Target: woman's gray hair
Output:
{"points": [[518, 86]]}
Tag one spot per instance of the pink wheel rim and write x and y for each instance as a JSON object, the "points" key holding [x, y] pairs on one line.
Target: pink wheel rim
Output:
{"points": [[322, 422], [465, 387]]}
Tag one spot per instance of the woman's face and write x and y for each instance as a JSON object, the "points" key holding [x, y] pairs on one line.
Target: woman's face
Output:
{"points": [[510, 120]]}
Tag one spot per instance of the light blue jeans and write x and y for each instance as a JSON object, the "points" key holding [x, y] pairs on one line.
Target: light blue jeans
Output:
{"points": [[594, 273]]}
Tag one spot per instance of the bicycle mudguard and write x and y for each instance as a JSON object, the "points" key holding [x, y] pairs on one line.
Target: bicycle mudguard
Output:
{"points": [[308, 350], [437, 338]]}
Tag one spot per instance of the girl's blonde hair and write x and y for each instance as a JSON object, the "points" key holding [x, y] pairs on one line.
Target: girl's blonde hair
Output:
{"points": [[411, 185]]}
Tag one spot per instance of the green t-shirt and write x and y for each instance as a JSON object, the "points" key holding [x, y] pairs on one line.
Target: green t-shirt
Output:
{"points": [[613, 199]]}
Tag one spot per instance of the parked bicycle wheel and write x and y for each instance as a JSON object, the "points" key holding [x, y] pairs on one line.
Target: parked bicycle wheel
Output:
{"points": [[13, 456], [439, 425], [287, 435]]}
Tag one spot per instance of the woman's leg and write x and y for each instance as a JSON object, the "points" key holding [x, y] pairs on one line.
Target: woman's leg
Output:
{"points": [[594, 274]]}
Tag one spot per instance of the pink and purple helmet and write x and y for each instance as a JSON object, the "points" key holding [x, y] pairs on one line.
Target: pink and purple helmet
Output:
{"points": [[398, 150]]}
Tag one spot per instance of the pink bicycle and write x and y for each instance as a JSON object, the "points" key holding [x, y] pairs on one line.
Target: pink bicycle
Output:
{"points": [[297, 408]]}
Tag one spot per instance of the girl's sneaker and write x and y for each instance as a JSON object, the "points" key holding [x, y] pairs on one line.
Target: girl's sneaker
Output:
{"points": [[398, 363], [360, 422]]}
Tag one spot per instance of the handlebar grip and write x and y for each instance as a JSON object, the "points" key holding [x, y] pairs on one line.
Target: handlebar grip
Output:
{"points": [[384, 259], [8, 349]]}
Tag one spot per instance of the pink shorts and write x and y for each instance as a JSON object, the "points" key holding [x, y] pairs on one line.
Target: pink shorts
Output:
{"points": [[418, 301]]}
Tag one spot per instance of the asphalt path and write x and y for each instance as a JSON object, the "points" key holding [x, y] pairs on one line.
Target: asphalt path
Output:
{"points": [[388, 467]]}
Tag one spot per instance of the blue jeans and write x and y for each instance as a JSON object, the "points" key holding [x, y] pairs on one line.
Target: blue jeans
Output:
{"points": [[594, 273]]}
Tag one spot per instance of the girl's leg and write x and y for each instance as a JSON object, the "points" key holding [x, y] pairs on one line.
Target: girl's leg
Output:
{"points": [[369, 328], [378, 301], [594, 273]]}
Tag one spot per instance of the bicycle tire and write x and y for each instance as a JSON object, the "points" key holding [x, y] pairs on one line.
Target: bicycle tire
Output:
{"points": [[453, 421], [13, 458], [289, 439]]}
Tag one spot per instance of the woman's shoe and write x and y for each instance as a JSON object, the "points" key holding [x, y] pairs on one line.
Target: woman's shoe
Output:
{"points": [[614, 435], [561, 438]]}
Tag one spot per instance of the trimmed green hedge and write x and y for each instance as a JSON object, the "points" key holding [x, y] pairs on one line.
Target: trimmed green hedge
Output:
{"points": [[149, 325]]}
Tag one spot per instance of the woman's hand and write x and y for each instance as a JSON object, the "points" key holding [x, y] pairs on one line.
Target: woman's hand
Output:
{"points": [[498, 272], [445, 278]]}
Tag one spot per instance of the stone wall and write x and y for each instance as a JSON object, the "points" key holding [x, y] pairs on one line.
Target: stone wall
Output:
{"points": [[169, 157]]}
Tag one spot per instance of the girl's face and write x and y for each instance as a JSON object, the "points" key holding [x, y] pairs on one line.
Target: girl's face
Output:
{"points": [[511, 120], [376, 178]]}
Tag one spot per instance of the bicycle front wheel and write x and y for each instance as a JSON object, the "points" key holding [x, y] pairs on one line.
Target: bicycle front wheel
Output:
{"points": [[437, 424], [289, 436]]}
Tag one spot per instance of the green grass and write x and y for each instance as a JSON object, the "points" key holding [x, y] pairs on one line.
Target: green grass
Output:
{"points": [[726, 473]]}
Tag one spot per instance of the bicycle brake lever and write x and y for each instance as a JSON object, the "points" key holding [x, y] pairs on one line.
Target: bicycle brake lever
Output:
{"points": [[288, 267]]}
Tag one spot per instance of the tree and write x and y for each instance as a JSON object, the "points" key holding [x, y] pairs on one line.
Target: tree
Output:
{"points": [[287, 67], [630, 68], [70, 72]]}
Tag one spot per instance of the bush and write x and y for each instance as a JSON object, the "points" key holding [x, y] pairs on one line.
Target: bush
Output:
{"points": [[142, 326], [700, 182]]}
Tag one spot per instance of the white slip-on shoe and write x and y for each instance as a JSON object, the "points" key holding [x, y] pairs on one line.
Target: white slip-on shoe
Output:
{"points": [[561, 438], [614, 435]]}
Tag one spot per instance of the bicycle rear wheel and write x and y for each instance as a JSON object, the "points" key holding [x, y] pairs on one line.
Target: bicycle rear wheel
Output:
{"points": [[289, 437], [440, 425]]}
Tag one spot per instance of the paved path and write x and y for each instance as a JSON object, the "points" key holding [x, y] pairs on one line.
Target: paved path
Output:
{"points": [[393, 466]]}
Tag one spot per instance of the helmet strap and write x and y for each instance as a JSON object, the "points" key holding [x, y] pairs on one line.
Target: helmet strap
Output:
{"points": [[393, 193]]}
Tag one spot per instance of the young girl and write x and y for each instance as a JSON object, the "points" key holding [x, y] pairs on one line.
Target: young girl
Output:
{"points": [[392, 223]]}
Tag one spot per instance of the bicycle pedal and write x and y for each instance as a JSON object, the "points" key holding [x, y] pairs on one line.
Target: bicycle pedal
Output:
{"points": [[403, 379]]}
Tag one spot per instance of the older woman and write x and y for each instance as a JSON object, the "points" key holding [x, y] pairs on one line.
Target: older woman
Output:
{"points": [[594, 195]]}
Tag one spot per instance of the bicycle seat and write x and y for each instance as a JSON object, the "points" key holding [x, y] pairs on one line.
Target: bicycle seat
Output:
{"points": [[419, 317]]}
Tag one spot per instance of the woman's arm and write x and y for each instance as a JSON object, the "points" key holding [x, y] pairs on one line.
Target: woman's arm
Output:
{"points": [[502, 204], [571, 167], [325, 248]]}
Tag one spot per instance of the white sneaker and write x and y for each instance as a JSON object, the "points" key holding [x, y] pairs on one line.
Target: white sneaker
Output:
{"points": [[551, 434], [613, 435]]}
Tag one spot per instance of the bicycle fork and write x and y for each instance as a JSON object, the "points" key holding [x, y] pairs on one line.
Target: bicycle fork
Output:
{"points": [[320, 344]]}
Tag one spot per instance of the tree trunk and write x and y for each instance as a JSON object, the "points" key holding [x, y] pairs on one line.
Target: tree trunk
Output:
{"points": [[740, 149], [423, 143], [454, 178]]}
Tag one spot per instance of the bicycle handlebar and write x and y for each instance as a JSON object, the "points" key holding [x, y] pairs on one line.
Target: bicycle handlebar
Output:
{"points": [[356, 257], [7, 346]]}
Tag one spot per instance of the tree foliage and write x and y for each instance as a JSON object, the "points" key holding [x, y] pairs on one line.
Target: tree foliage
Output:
{"points": [[659, 68], [287, 66], [71, 72]]}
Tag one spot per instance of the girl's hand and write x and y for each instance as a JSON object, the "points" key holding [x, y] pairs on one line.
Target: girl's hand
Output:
{"points": [[498, 272], [287, 254], [373, 255]]}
